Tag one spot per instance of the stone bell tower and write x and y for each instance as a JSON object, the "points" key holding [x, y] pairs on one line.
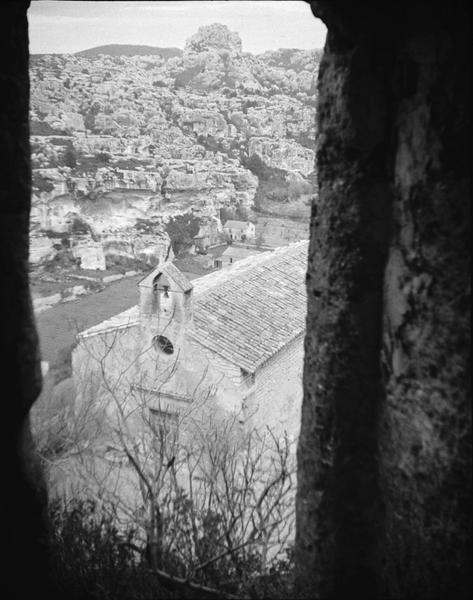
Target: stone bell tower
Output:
{"points": [[165, 309]]}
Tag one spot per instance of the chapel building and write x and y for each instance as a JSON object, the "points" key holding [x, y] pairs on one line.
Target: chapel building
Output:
{"points": [[235, 336]]}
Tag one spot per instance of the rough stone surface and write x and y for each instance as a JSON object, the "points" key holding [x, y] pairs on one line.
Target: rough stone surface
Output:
{"points": [[384, 458], [23, 495], [425, 430], [339, 498]]}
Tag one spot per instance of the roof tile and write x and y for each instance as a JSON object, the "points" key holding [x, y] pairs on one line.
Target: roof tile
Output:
{"points": [[250, 311]]}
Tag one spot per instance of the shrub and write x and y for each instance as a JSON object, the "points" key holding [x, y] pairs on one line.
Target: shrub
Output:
{"points": [[70, 158], [62, 368], [261, 170], [181, 230], [91, 559], [41, 183], [44, 128]]}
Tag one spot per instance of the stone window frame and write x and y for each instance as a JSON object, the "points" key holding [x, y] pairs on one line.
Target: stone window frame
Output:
{"points": [[163, 345]]}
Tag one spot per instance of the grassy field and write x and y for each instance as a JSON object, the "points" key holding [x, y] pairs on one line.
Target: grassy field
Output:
{"points": [[57, 326]]}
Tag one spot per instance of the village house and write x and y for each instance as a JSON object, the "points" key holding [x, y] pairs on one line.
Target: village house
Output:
{"points": [[239, 230], [235, 335], [89, 252]]}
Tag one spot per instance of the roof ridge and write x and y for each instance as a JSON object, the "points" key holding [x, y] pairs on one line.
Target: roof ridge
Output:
{"points": [[242, 266]]}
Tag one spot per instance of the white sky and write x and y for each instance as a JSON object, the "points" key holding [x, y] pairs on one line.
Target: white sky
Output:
{"points": [[70, 26]]}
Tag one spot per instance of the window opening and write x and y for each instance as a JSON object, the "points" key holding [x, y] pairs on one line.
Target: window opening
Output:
{"points": [[162, 343], [164, 425]]}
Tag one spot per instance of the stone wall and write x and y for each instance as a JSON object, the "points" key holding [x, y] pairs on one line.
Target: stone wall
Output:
{"points": [[100, 361], [23, 500], [90, 253], [384, 461], [425, 424], [277, 392]]}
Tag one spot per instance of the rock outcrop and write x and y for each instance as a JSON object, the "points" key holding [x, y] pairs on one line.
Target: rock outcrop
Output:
{"points": [[122, 139]]}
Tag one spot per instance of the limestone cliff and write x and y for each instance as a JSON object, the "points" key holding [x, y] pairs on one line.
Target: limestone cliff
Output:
{"points": [[117, 138]]}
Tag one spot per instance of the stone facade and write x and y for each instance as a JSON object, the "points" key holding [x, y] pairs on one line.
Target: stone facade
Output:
{"points": [[89, 252], [275, 396], [239, 230], [165, 345]]}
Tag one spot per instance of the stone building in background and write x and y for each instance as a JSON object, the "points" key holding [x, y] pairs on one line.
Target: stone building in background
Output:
{"points": [[89, 252], [239, 230]]}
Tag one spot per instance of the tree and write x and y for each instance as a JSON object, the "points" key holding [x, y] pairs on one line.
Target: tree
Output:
{"points": [[259, 240], [103, 157], [70, 158], [182, 229], [42, 183], [210, 501], [227, 214], [89, 115], [242, 213]]}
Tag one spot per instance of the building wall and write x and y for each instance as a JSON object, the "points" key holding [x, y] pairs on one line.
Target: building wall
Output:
{"points": [[91, 254], [128, 359], [236, 233], [276, 396], [105, 362], [221, 375]]}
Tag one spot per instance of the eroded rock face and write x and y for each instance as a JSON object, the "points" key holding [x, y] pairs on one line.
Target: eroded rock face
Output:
{"points": [[24, 505], [285, 155], [150, 249], [191, 121], [384, 458]]}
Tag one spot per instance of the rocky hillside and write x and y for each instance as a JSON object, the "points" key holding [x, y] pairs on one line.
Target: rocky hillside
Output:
{"points": [[117, 138]]}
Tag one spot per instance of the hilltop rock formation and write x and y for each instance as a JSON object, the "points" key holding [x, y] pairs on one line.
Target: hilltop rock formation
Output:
{"points": [[215, 37], [120, 138]]}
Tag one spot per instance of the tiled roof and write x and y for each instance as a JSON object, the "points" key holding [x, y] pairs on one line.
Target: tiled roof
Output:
{"points": [[239, 252], [127, 318], [250, 311], [245, 313]]}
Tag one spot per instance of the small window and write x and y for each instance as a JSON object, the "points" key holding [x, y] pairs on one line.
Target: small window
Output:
{"points": [[165, 423], [162, 343]]}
